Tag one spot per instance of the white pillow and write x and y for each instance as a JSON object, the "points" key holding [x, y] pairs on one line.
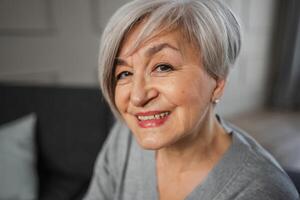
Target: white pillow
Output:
{"points": [[18, 175]]}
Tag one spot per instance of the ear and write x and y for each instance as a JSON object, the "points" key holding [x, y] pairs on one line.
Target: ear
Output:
{"points": [[219, 89]]}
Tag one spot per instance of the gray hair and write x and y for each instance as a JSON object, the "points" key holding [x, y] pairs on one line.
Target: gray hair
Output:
{"points": [[209, 24]]}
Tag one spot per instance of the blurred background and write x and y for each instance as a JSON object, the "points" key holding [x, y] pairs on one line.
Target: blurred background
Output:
{"points": [[55, 43]]}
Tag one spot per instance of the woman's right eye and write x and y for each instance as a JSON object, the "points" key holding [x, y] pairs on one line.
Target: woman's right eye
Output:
{"points": [[123, 75]]}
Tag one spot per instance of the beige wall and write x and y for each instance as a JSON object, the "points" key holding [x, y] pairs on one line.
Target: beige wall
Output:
{"points": [[247, 87], [56, 42]]}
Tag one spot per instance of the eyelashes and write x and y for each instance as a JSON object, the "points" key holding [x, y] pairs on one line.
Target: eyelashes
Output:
{"points": [[163, 67], [159, 68], [123, 75]]}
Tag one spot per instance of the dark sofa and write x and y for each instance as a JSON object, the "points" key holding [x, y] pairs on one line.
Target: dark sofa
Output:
{"points": [[72, 125]]}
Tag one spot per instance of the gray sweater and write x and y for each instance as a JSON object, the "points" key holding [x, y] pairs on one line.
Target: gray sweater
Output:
{"points": [[125, 171]]}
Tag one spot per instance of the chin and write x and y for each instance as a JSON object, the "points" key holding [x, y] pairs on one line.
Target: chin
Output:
{"points": [[150, 144]]}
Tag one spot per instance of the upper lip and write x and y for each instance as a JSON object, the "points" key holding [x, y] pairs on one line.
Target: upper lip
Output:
{"points": [[149, 113]]}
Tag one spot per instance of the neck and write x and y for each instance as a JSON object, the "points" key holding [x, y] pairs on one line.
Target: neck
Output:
{"points": [[200, 149]]}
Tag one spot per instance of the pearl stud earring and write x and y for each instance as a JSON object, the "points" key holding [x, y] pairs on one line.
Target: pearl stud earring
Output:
{"points": [[216, 101]]}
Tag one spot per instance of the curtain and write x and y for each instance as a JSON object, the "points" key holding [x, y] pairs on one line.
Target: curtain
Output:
{"points": [[285, 93]]}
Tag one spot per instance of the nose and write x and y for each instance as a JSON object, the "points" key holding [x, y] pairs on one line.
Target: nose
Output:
{"points": [[142, 91]]}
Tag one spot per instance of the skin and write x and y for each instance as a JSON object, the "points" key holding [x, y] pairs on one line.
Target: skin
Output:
{"points": [[171, 78]]}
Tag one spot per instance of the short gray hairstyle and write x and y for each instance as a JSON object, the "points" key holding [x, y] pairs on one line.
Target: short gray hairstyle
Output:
{"points": [[209, 24]]}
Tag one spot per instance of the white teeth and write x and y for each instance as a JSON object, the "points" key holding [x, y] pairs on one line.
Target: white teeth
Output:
{"points": [[150, 117]]}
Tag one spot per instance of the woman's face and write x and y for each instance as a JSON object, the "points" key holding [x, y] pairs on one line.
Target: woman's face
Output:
{"points": [[162, 90]]}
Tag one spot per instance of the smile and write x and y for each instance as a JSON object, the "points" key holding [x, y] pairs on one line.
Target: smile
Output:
{"points": [[151, 117]]}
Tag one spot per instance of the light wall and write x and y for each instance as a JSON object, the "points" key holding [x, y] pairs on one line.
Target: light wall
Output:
{"points": [[248, 85], [56, 42]]}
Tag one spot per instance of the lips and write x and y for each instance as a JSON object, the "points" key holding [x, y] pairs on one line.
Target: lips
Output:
{"points": [[152, 119]]}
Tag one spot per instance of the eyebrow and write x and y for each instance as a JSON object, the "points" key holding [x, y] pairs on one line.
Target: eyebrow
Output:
{"points": [[157, 48], [150, 52]]}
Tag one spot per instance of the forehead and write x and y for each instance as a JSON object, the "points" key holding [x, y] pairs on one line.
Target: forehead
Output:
{"points": [[173, 38]]}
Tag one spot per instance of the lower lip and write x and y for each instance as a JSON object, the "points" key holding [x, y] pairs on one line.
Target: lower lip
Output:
{"points": [[153, 122]]}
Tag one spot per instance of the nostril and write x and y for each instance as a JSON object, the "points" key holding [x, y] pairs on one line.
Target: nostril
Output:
{"points": [[142, 90], [138, 96], [137, 100], [152, 94], [144, 96]]}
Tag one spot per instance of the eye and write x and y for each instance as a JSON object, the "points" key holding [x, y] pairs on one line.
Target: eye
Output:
{"points": [[163, 68], [123, 75]]}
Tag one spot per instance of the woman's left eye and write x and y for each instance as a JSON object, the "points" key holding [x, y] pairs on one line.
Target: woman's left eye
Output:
{"points": [[163, 68]]}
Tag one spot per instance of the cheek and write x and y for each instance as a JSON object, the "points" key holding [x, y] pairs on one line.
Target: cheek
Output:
{"points": [[186, 92], [192, 97], [121, 97]]}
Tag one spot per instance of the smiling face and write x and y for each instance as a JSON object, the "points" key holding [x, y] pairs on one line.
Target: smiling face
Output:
{"points": [[162, 91]]}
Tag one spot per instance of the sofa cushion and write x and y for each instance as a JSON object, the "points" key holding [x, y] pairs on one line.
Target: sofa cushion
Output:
{"points": [[18, 175], [72, 125]]}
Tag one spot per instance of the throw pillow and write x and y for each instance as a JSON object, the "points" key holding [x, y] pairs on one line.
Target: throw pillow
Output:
{"points": [[18, 176]]}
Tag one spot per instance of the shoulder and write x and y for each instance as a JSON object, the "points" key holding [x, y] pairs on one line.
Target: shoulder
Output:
{"points": [[109, 164], [115, 147], [261, 175], [264, 180], [267, 184]]}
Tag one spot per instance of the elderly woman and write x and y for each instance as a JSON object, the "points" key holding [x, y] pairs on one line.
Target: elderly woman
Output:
{"points": [[163, 68]]}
